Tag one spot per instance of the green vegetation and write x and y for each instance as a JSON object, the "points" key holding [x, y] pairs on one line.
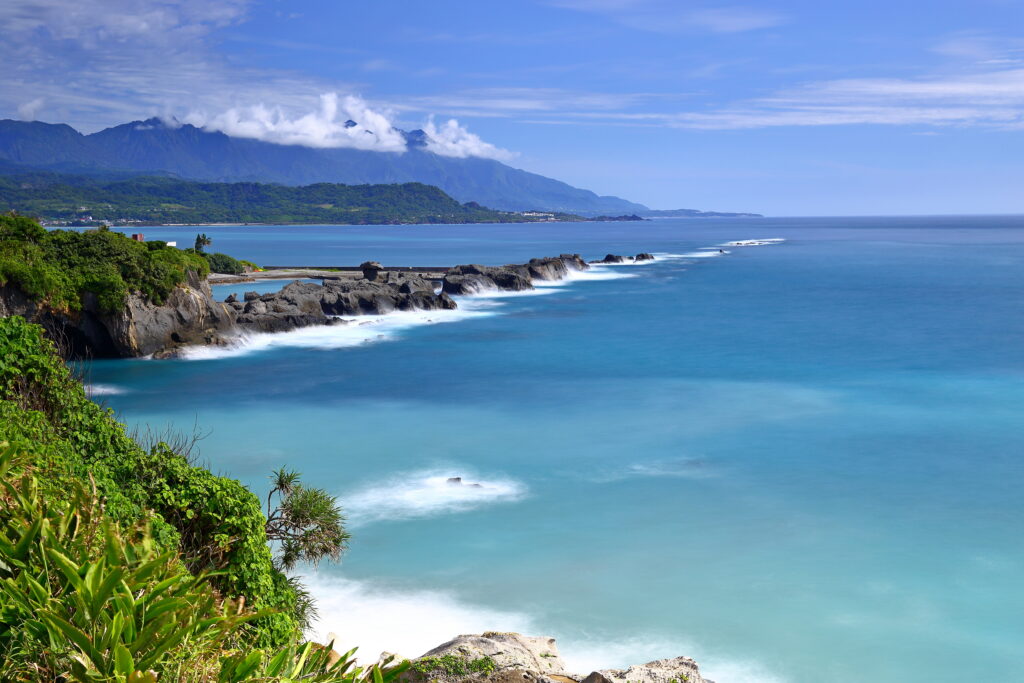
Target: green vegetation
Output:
{"points": [[202, 241], [159, 200], [453, 665], [119, 562], [306, 521], [58, 268], [222, 263]]}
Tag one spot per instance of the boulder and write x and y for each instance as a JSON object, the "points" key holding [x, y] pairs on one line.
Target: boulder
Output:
{"points": [[612, 258], [371, 269], [251, 296], [513, 658], [508, 651], [643, 256], [675, 670]]}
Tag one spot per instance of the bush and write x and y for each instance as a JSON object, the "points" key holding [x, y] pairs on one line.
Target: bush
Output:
{"points": [[222, 263], [57, 268], [81, 600], [216, 522]]}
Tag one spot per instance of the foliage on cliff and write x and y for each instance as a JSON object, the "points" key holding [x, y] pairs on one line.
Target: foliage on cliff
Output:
{"points": [[60, 267], [170, 200], [83, 600], [214, 522]]}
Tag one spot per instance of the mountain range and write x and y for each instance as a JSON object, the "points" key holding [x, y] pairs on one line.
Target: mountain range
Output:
{"points": [[185, 151]]}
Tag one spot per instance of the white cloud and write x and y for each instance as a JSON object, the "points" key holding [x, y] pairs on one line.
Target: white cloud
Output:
{"points": [[342, 122], [453, 140], [327, 126], [29, 110]]}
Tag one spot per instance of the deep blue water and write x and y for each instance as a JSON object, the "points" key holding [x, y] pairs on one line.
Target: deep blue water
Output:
{"points": [[799, 462]]}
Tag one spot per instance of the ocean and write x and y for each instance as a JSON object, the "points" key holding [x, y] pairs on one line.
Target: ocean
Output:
{"points": [[800, 462]]}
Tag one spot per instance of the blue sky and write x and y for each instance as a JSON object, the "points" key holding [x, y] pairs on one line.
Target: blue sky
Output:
{"points": [[786, 108]]}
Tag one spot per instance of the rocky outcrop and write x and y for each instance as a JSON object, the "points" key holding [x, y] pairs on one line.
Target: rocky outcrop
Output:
{"points": [[513, 658], [643, 256], [191, 316], [675, 670], [611, 258], [301, 304], [473, 279], [141, 328]]}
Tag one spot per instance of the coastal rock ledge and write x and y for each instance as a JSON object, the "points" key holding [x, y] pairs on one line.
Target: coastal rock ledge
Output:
{"points": [[494, 657]]}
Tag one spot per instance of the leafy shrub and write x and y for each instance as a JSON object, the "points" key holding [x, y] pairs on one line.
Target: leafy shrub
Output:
{"points": [[59, 267], [216, 522], [222, 263], [82, 601]]}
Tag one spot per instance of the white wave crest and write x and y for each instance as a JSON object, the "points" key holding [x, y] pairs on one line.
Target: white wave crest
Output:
{"points": [[595, 273], [358, 330], [427, 493], [379, 618], [104, 390], [681, 468], [385, 618], [705, 252], [755, 242]]}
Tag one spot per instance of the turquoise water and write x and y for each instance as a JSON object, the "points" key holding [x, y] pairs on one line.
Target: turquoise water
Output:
{"points": [[799, 462]]}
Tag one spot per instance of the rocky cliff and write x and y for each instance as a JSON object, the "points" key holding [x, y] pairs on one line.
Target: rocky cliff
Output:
{"points": [[141, 328], [191, 316]]}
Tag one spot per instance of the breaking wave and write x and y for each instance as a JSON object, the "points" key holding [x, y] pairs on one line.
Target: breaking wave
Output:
{"points": [[427, 493], [104, 390], [409, 622]]}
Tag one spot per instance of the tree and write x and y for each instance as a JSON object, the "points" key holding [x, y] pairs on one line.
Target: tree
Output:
{"points": [[307, 522], [202, 241]]}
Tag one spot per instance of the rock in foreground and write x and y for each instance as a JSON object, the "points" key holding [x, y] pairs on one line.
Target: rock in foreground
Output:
{"points": [[513, 658]]}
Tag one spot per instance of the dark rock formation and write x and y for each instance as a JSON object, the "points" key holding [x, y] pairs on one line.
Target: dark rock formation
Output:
{"points": [[371, 269], [643, 256], [612, 258], [191, 316], [303, 303], [472, 279], [141, 328]]}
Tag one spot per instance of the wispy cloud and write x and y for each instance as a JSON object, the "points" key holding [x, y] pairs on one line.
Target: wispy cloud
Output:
{"points": [[669, 16], [992, 98]]}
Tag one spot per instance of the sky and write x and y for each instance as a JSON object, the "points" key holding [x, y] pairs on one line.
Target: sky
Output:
{"points": [[784, 108]]}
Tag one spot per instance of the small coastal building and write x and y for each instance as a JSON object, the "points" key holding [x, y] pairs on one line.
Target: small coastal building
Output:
{"points": [[138, 237]]}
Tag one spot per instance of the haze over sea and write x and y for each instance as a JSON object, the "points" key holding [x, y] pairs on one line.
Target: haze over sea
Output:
{"points": [[798, 462]]}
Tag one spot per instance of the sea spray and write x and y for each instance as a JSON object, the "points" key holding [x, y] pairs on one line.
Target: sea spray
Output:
{"points": [[427, 493]]}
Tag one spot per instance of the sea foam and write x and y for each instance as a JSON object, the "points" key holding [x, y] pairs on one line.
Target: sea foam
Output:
{"points": [[595, 273], [104, 390], [408, 621], [427, 493], [765, 242], [358, 330]]}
